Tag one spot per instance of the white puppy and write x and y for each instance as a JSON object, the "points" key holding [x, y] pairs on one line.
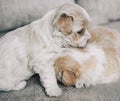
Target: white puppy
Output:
{"points": [[32, 49]]}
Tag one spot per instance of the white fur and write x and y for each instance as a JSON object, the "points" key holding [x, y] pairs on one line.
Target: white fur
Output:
{"points": [[84, 39], [98, 62], [93, 75], [97, 74], [26, 51], [32, 49], [88, 77]]}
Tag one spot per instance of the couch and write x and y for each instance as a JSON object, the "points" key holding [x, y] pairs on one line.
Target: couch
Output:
{"points": [[17, 13]]}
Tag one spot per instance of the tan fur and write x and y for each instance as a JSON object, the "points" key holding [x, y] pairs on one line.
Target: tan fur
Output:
{"points": [[76, 37], [90, 63], [108, 41], [70, 69], [84, 22], [65, 24], [68, 23], [104, 36]]}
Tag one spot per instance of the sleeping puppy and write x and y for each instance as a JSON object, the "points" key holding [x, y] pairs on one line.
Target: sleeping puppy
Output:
{"points": [[97, 63], [32, 49]]}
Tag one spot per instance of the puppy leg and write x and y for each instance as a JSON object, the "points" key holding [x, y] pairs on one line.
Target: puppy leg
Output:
{"points": [[86, 79], [7, 85], [50, 83], [20, 85], [48, 78], [82, 83]]}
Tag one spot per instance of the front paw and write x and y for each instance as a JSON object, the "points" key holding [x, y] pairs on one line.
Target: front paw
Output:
{"points": [[53, 91], [20, 85], [82, 83]]}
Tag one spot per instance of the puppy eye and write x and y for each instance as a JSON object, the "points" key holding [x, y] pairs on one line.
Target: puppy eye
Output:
{"points": [[80, 31], [62, 73]]}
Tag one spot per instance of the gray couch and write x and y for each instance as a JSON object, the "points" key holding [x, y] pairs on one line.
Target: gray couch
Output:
{"points": [[16, 13]]}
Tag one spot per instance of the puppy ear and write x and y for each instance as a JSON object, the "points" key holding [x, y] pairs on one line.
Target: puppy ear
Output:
{"points": [[70, 69], [70, 76], [64, 24], [75, 70]]}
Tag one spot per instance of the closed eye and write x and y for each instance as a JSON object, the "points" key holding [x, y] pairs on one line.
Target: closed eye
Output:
{"points": [[80, 32]]}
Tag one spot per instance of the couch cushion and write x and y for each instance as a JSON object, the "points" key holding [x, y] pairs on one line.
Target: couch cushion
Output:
{"points": [[35, 92], [102, 11], [2, 33], [15, 13]]}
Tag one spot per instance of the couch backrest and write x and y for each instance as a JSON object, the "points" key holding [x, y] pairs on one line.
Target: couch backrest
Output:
{"points": [[16, 13], [102, 11]]}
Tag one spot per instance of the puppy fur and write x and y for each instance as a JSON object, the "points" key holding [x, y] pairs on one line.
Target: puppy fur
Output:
{"points": [[98, 62], [32, 49]]}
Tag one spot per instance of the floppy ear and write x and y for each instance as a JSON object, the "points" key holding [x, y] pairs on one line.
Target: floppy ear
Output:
{"points": [[70, 76], [71, 69], [64, 24]]}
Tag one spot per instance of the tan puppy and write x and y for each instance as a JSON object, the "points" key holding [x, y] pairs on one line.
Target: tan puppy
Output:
{"points": [[97, 63], [33, 48]]}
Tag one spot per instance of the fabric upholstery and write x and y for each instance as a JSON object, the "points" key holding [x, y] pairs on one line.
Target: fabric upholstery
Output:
{"points": [[16, 13], [34, 92], [102, 11]]}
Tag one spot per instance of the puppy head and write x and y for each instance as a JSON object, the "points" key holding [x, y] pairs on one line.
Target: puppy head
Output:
{"points": [[72, 21], [67, 70]]}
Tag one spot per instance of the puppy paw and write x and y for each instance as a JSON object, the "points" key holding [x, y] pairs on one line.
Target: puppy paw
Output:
{"points": [[54, 91], [20, 85], [82, 83]]}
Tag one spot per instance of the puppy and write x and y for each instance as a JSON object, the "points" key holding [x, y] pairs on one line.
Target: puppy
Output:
{"points": [[97, 63], [32, 49]]}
